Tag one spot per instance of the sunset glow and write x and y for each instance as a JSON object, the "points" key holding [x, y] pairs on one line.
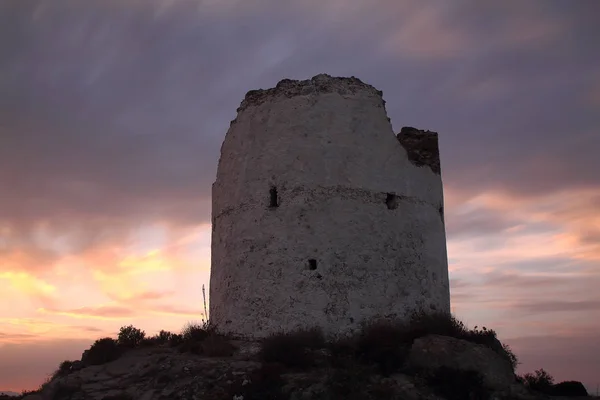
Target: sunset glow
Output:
{"points": [[112, 114]]}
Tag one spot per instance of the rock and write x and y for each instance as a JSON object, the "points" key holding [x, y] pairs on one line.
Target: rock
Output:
{"points": [[433, 352], [159, 373], [569, 388]]}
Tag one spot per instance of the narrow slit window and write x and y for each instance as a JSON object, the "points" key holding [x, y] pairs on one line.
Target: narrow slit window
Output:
{"points": [[273, 197], [312, 264], [391, 201]]}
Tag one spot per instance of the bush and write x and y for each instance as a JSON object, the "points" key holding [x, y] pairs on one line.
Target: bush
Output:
{"points": [[293, 349], [164, 336], [130, 337], [435, 323], [102, 351], [194, 332], [569, 388], [385, 344], [149, 342], [63, 369], [540, 381], [175, 340]]}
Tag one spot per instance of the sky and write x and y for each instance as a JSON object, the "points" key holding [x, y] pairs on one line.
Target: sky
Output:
{"points": [[112, 115]]}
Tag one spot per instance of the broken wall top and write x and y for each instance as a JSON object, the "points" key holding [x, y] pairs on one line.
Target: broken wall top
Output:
{"points": [[322, 83]]}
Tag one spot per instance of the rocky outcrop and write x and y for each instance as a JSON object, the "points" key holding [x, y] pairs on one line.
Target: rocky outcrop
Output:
{"points": [[437, 368], [434, 352]]}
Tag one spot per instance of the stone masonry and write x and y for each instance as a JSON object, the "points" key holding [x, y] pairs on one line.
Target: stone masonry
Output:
{"points": [[321, 216]]}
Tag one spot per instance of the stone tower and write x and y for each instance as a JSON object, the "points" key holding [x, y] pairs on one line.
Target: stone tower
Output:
{"points": [[321, 216]]}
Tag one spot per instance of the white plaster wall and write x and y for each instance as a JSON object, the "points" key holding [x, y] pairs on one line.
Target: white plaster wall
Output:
{"points": [[333, 157]]}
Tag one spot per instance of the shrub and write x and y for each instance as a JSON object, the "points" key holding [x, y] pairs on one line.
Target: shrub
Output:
{"points": [[293, 349], [149, 341], [63, 369], [453, 384], [102, 351], [569, 388], [195, 332], [540, 381], [175, 340], [385, 344], [130, 337], [164, 336], [435, 323]]}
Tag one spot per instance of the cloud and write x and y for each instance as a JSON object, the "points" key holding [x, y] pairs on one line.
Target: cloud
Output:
{"points": [[560, 306], [422, 32], [32, 286], [112, 115], [33, 330], [177, 311], [98, 312]]}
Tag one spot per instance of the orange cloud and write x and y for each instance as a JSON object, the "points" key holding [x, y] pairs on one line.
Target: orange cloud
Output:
{"points": [[30, 285], [177, 311], [108, 312], [571, 217]]}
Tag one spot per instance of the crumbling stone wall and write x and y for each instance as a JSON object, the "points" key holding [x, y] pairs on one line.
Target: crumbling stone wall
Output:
{"points": [[321, 215]]}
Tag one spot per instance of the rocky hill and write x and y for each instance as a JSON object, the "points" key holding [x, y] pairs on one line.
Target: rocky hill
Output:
{"points": [[433, 357]]}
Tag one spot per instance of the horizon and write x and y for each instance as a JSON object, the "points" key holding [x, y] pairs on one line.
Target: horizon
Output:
{"points": [[113, 113]]}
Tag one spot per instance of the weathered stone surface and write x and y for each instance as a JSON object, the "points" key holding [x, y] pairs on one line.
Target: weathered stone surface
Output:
{"points": [[320, 216], [422, 147], [433, 352]]}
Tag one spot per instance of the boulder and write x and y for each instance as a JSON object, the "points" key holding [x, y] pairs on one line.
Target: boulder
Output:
{"points": [[433, 352], [569, 388]]}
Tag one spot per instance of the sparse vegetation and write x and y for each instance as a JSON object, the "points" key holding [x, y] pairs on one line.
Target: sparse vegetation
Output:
{"points": [[384, 344], [175, 340], [349, 363], [194, 332], [64, 368], [539, 380], [164, 336]]}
